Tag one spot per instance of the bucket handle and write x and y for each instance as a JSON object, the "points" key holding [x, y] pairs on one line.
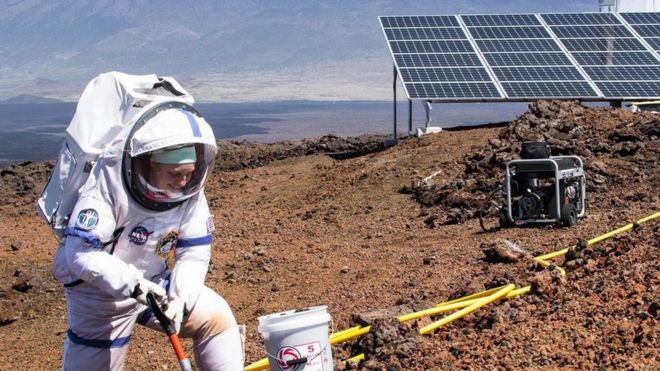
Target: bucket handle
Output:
{"points": [[298, 361]]}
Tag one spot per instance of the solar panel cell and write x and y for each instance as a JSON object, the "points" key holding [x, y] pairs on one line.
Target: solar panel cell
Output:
{"points": [[641, 73], [602, 44], [629, 89], [579, 18], [432, 46], [654, 42], [527, 59], [523, 45], [537, 73], [437, 60], [474, 90], [500, 20], [444, 74], [548, 89], [641, 18], [449, 33], [647, 30], [422, 21], [509, 32], [615, 58], [591, 31]]}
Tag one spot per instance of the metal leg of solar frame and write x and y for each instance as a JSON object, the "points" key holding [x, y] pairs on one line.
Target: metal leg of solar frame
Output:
{"points": [[394, 140], [410, 130]]}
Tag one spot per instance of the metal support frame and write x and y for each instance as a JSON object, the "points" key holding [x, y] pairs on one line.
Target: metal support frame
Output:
{"points": [[410, 132], [395, 139], [427, 108]]}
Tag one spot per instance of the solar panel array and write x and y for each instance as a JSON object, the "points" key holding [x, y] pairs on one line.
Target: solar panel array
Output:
{"points": [[590, 56]]}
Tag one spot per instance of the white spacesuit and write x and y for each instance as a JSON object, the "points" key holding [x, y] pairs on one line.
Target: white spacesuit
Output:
{"points": [[142, 206]]}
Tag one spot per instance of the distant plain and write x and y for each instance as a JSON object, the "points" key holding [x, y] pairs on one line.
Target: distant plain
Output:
{"points": [[36, 131]]}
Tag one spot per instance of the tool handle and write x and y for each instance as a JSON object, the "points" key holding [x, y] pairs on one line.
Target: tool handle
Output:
{"points": [[166, 324]]}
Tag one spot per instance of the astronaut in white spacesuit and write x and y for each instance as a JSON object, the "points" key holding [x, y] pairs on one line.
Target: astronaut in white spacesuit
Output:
{"points": [[142, 206]]}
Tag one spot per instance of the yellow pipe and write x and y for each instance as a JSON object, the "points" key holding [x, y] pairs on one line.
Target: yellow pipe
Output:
{"points": [[437, 310], [602, 237], [648, 218], [467, 310], [349, 335], [546, 264], [342, 335], [356, 358], [552, 255], [261, 364], [481, 294], [342, 332], [442, 308]]}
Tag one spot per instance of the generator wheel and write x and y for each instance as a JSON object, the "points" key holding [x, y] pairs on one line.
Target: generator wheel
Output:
{"points": [[492, 215], [568, 215]]}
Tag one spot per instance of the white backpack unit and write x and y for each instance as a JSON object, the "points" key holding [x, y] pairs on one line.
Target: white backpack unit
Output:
{"points": [[109, 103]]}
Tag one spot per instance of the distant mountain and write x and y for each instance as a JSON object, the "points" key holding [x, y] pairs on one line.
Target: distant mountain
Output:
{"points": [[31, 99], [222, 50]]}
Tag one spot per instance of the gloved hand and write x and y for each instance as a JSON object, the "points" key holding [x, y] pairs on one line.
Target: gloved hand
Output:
{"points": [[144, 287], [174, 311]]}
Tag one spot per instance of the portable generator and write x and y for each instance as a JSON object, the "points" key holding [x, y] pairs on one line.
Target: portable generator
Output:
{"points": [[538, 188]]}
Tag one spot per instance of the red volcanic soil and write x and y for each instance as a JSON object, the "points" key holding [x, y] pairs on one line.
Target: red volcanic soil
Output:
{"points": [[345, 222]]}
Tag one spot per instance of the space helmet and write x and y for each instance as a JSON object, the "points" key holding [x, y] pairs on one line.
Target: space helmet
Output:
{"points": [[168, 156]]}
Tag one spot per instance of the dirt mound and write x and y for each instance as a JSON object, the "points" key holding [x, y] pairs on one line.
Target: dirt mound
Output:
{"points": [[617, 147], [21, 184], [237, 155]]}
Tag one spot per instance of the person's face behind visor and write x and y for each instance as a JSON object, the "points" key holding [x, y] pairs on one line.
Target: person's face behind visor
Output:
{"points": [[171, 177]]}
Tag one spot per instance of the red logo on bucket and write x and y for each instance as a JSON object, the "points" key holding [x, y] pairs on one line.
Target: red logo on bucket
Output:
{"points": [[288, 354]]}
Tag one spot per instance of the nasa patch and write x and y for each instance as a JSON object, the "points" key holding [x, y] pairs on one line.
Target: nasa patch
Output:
{"points": [[167, 244], [139, 235], [87, 219]]}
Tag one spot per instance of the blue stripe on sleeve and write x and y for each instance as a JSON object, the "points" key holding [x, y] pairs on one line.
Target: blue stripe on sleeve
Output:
{"points": [[189, 242], [85, 236], [97, 343]]}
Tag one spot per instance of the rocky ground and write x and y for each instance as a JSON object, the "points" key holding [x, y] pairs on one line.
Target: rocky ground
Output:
{"points": [[347, 223]]}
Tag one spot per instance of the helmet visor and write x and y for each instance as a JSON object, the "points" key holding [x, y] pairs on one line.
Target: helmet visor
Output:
{"points": [[164, 178]]}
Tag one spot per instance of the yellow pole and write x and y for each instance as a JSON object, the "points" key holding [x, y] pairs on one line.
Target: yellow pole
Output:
{"points": [[467, 310], [342, 332], [261, 364], [356, 358], [650, 217], [602, 237], [349, 335], [546, 264], [473, 296], [443, 307], [552, 255]]}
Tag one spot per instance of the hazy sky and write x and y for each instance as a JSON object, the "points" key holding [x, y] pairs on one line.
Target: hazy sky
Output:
{"points": [[235, 50]]}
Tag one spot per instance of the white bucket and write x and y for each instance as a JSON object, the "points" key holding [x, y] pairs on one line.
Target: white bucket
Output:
{"points": [[298, 340]]}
